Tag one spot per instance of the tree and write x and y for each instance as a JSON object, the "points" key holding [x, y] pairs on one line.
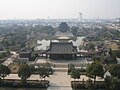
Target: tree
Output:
{"points": [[96, 57], [4, 71], [115, 84], [90, 46], [110, 52], [75, 73], [95, 69], [24, 72], [74, 30], [115, 70], [89, 84], [63, 27], [70, 68], [112, 56], [45, 70], [108, 82], [116, 52]]}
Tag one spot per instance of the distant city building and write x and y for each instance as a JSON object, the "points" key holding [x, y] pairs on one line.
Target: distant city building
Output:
{"points": [[80, 17], [118, 19]]}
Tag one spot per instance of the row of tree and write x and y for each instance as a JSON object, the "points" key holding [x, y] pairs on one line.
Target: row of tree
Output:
{"points": [[4, 54], [97, 69], [92, 71], [4, 71], [25, 71]]}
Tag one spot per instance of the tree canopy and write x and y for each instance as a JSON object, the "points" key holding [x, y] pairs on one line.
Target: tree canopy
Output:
{"points": [[89, 84], [95, 69], [45, 70], [24, 72], [74, 30], [115, 70], [75, 73], [115, 84], [4, 71], [90, 46]]}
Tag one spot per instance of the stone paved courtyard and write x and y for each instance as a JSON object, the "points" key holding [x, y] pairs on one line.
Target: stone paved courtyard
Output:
{"points": [[60, 81], [79, 60]]}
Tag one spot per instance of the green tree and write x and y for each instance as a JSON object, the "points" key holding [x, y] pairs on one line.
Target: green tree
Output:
{"points": [[74, 30], [117, 53], [75, 73], [4, 71], [8, 51], [45, 70], [96, 57], [70, 68], [89, 84], [115, 84], [95, 69], [108, 82], [90, 46], [24, 72], [115, 70], [3, 55], [112, 55], [110, 51]]}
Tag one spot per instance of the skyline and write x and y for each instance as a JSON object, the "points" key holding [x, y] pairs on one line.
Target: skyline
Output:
{"points": [[59, 9]]}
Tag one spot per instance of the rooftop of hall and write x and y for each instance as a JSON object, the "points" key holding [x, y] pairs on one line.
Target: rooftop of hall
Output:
{"points": [[61, 48], [25, 50]]}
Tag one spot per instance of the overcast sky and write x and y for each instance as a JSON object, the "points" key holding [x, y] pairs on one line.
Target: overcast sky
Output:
{"points": [[31, 9]]}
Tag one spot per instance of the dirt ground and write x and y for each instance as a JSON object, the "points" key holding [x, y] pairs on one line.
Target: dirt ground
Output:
{"points": [[14, 67]]}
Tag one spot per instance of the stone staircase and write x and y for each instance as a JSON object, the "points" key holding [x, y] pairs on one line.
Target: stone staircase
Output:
{"points": [[60, 67], [59, 88]]}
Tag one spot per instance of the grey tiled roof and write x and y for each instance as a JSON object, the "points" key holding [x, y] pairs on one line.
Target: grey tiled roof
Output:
{"points": [[62, 48]]}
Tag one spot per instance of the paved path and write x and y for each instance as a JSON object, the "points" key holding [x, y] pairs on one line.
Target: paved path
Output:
{"points": [[60, 81], [59, 88], [10, 59]]}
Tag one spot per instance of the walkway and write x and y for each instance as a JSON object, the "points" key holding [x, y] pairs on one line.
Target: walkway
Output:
{"points": [[10, 59], [60, 81]]}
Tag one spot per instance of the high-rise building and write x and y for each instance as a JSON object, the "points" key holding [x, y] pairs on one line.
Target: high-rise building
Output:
{"points": [[80, 17], [117, 19]]}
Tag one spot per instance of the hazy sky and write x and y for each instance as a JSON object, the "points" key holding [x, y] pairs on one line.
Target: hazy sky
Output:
{"points": [[31, 9]]}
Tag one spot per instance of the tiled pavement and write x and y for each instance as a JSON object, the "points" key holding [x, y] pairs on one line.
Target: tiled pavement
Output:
{"points": [[60, 81]]}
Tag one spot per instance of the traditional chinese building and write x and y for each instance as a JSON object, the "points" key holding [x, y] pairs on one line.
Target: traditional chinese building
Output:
{"points": [[61, 50]]}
